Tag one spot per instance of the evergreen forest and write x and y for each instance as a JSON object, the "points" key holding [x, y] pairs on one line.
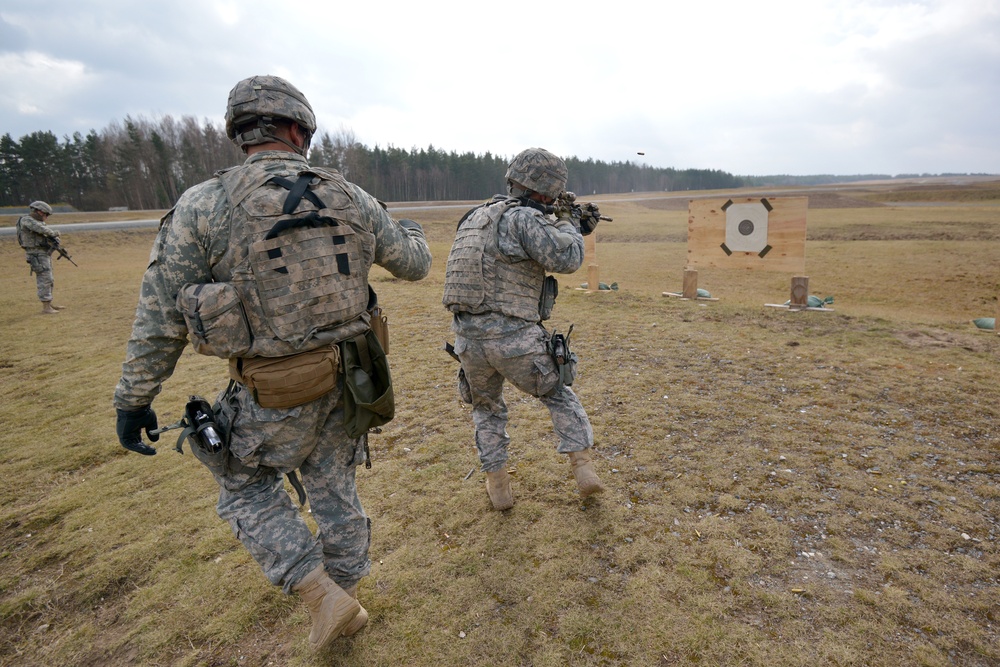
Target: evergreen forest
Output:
{"points": [[141, 164]]}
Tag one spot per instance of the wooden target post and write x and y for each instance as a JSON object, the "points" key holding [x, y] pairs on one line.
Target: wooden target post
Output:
{"points": [[689, 290], [690, 287], [593, 268]]}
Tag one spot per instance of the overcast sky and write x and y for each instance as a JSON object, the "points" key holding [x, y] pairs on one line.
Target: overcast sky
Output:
{"points": [[752, 88]]}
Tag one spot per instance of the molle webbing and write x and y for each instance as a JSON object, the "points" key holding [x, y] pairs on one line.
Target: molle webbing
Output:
{"points": [[308, 266], [480, 279], [298, 255]]}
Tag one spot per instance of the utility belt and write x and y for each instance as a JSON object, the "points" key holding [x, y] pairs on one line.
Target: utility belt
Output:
{"points": [[287, 382], [290, 381]]}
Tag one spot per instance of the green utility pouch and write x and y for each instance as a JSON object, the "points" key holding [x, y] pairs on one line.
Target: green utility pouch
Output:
{"points": [[565, 359], [550, 290], [368, 396]]}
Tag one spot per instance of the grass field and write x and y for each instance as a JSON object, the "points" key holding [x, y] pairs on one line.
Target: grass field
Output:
{"points": [[784, 488]]}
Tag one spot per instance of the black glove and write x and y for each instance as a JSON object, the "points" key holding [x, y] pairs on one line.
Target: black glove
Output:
{"points": [[589, 218], [129, 428], [410, 224]]}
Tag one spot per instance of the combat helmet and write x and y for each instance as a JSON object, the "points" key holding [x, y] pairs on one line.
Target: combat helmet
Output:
{"points": [[41, 207], [539, 170], [260, 100]]}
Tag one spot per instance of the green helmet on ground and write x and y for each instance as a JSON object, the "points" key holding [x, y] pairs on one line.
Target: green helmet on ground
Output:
{"points": [[41, 207], [539, 170], [260, 100]]}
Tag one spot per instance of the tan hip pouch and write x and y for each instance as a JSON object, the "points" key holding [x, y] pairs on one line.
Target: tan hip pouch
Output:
{"points": [[286, 382]]}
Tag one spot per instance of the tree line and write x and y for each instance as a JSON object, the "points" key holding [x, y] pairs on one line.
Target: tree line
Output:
{"points": [[141, 164]]}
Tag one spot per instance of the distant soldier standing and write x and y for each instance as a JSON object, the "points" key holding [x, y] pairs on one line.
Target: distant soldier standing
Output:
{"points": [[39, 242], [268, 266], [494, 286]]}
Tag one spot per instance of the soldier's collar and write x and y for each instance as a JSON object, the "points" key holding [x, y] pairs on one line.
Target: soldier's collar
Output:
{"points": [[275, 155]]}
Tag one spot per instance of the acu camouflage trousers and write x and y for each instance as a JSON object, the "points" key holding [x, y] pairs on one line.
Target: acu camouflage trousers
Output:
{"points": [[262, 515], [40, 262], [522, 358]]}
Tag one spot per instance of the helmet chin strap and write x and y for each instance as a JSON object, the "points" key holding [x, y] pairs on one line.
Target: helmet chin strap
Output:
{"points": [[264, 133], [516, 189]]}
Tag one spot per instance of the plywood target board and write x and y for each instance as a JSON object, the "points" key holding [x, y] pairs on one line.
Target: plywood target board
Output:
{"points": [[764, 233]]}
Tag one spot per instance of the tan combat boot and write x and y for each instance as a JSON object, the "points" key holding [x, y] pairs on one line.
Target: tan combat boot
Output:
{"points": [[331, 608], [359, 621], [47, 308], [498, 489], [583, 471], [57, 307]]}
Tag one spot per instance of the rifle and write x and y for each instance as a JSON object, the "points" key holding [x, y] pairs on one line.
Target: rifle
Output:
{"points": [[588, 214], [54, 244]]}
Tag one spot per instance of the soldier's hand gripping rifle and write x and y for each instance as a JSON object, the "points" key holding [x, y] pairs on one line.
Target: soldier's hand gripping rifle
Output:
{"points": [[587, 214], [56, 246]]}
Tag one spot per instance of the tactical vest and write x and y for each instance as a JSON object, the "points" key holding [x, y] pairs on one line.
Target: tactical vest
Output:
{"points": [[478, 279], [28, 239], [299, 255]]}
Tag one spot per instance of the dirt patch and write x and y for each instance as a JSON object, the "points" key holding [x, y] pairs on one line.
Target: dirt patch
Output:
{"points": [[937, 231], [936, 338], [666, 204], [833, 200], [816, 200]]}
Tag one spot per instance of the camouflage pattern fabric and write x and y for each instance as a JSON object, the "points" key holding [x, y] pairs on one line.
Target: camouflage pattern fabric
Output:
{"points": [[522, 358], [192, 240], [309, 438], [41, 266], [524, 234], [33, 235], [189, 248], [539, 170], [494, 347]]}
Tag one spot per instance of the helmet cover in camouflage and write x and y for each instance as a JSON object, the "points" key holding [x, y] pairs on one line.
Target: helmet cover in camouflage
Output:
{"points": [[539, 170], [40, 206], [265, 97]]}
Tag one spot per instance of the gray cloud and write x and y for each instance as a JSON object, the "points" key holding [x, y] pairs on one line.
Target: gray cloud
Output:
{"points": [[843, 86]]}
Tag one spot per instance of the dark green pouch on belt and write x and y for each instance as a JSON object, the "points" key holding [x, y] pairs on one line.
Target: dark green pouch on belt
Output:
{"points": [[565, 358], [368, 397]]}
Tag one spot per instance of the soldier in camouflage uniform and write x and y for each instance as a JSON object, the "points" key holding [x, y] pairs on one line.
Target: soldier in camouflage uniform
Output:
{"points": [[39, 242], [493, 285], [210, 243]]}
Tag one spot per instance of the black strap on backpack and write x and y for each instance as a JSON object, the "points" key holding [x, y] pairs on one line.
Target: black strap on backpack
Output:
{"points": [[297, 191]]}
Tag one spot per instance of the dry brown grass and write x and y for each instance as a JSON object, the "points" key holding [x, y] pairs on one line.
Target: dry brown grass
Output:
{"points": [[784, 488]]}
